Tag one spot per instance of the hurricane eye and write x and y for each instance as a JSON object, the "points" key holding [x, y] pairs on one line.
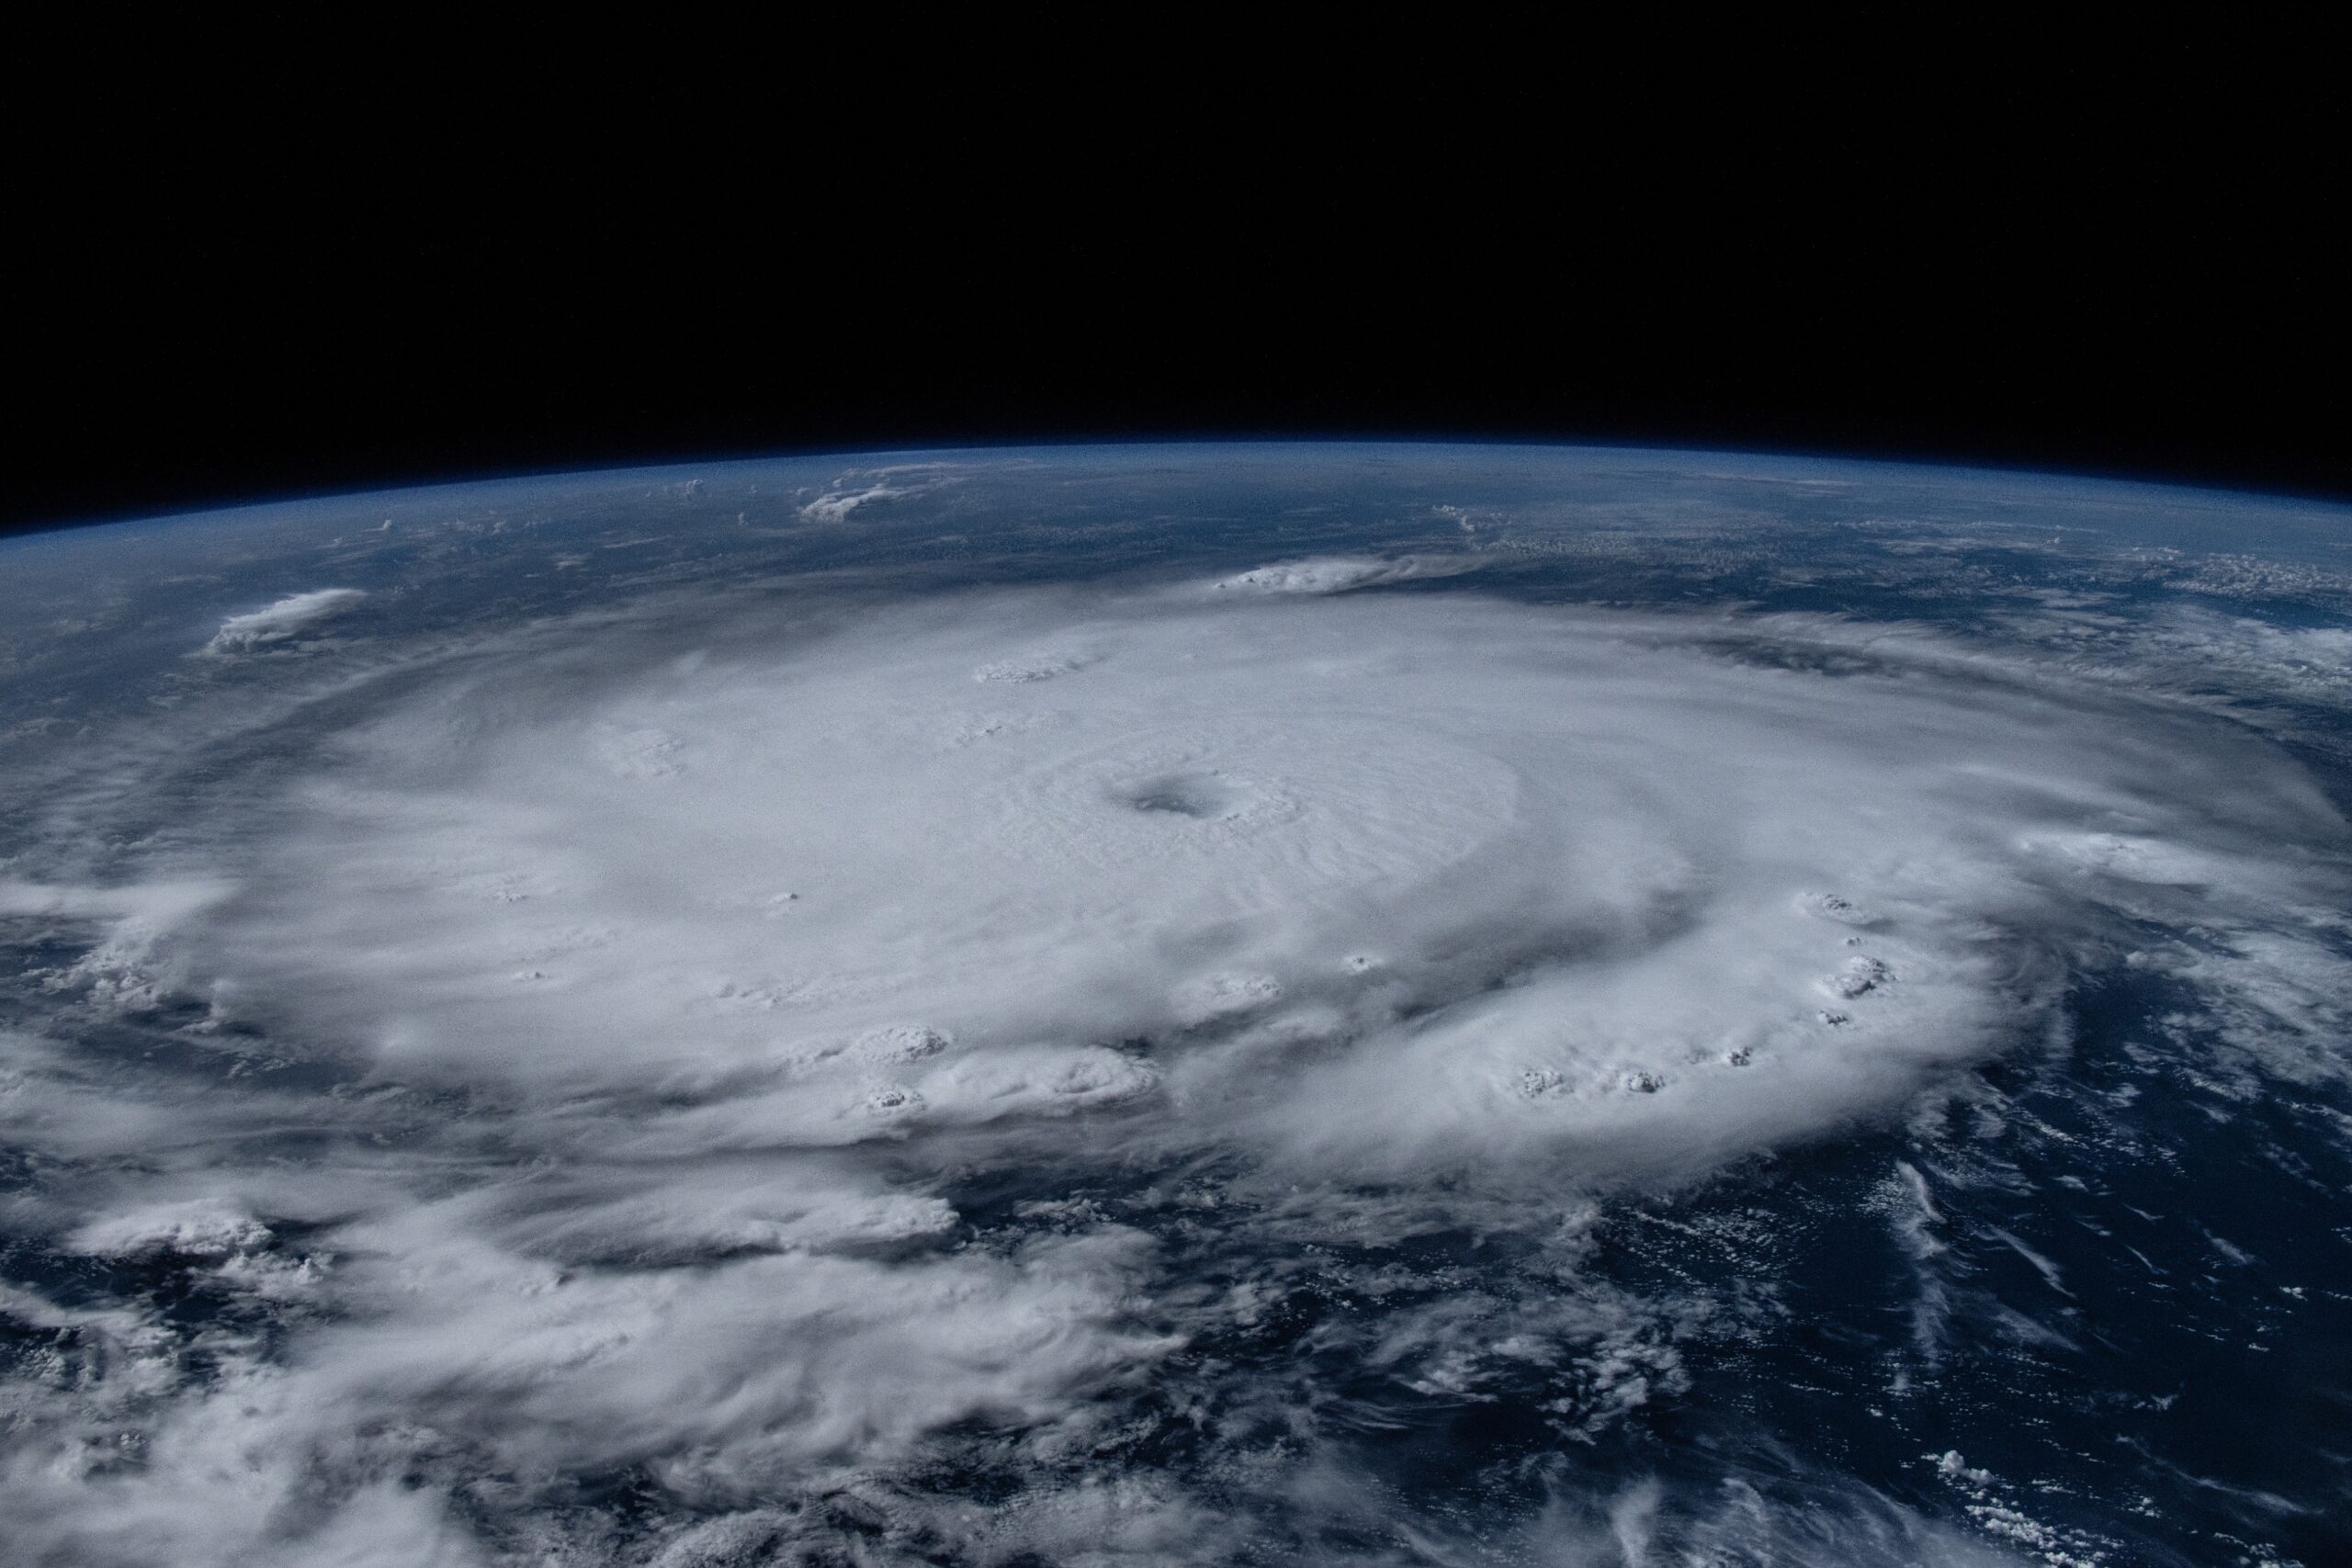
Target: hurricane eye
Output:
{"points": [[1203, 797]]}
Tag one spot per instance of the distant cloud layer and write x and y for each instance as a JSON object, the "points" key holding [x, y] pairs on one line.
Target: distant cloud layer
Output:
{"points": [[655, 1007]]}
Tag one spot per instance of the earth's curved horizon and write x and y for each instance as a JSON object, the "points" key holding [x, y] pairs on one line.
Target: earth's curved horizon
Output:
{"points": [[1353, 1002]]}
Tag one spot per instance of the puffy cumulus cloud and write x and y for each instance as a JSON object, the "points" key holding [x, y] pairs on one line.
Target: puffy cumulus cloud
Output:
{"points": [[125, 968], [282, 621], [785, 1070], [205, 1228]]}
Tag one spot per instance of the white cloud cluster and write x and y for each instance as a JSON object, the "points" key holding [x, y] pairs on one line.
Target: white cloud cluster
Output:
{"points": [[281, 622], [1338, 574], [836, 505], [864, 487], [686, 1010]]}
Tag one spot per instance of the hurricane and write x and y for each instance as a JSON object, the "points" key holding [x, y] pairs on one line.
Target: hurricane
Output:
{"points": [[1200, 1005]]}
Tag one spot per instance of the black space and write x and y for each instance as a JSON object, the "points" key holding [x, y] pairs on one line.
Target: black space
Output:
{"points": [[225, 298]]}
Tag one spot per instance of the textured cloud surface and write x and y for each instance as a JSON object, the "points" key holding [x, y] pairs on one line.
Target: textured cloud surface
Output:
{"points": [[658, 1009]]}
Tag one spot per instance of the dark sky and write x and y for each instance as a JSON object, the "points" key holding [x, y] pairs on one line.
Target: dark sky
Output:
{"points": [[230, 298]]}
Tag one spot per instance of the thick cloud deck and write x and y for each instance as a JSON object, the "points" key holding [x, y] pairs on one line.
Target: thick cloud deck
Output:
{"points": [[737, 949], [1385, 880]]}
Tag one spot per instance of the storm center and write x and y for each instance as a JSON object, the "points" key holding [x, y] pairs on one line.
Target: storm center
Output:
{"points": [[1203, 797]]}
